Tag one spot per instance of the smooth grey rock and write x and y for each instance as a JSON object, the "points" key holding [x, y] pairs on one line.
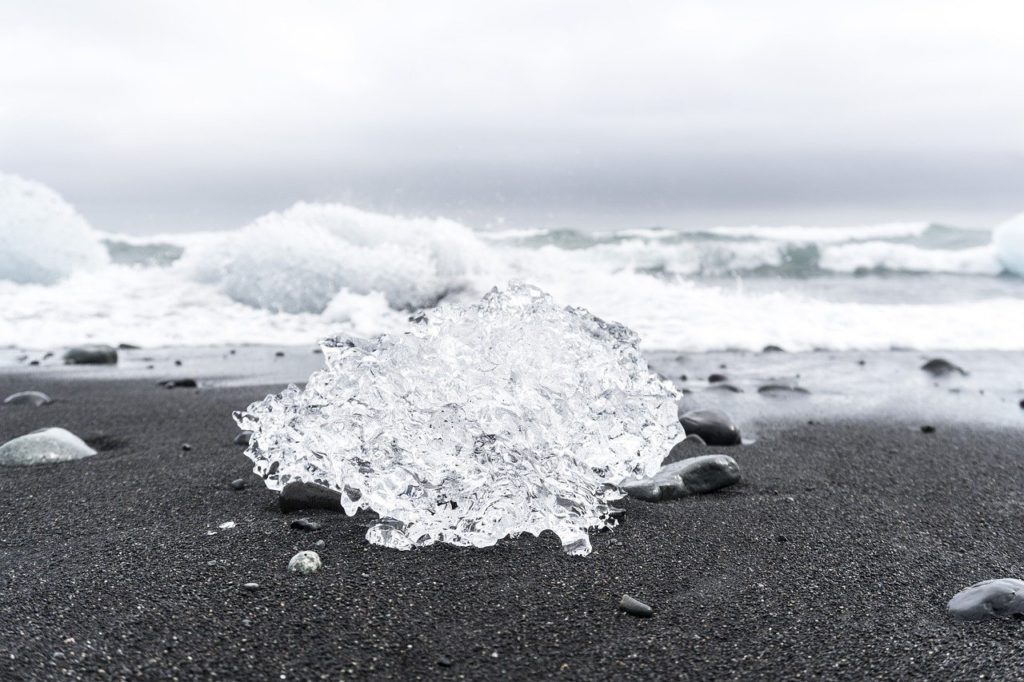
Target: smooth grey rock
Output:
{"points": [[716, 378], [771, 348], [93, 354], [940, 367], [238, 484], [243, 438], [34, 398], [179, 383], [305, 562], [635, 607], [251, 587], [296, 496], [714, 426], [305, 524], [1002, 597], [725, 387], [687, 447], [691, 476], [781, 390], [45, 446]]}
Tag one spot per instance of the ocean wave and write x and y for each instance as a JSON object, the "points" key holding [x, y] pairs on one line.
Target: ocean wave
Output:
{"points": [[42, 238], [298, 260], [1008, 242]]}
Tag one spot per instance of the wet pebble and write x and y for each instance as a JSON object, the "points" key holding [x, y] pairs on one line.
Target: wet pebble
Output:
{"points": [[251, 587], [238, 484], [635, 607], [179, 383], [782, 390], [691, 476], [92, 354], [297, 496], [927, 428], [186, 447], [243, 438], [716, 378], [687, 447], [305, 524], [940, 367], [714, 426]]}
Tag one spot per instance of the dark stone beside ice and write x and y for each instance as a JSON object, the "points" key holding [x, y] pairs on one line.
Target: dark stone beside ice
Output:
{"points": [[94, 354], [297, 495], [688, 447], [243, 438], [691, 476], [716, 378], [714, 426]]}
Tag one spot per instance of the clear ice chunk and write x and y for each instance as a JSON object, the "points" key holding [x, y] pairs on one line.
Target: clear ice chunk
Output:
{"points": [[481, 421], [45, 446]]}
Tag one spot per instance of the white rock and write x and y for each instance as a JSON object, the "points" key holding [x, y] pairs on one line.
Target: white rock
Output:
{"points": [[226, 525], [45, 446], [305, 562], [987, 599]]}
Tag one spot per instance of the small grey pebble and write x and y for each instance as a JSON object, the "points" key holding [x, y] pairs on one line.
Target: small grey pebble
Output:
{"points": [[927, 428], [319, 544], [635, 607], [246, 622], [178, 363], [305, 524], [186, 447], [251, 587], [790, 499], [238, 484], [211, 562], [444, 661]]}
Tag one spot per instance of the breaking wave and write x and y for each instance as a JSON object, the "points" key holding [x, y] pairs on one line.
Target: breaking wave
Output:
{"points": [[316, 270]]}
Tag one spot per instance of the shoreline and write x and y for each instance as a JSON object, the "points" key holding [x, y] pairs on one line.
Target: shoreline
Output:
{"points": [[834, 557]]}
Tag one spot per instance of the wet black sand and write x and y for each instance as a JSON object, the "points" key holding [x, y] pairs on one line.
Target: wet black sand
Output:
{"points": [[834, 559]]}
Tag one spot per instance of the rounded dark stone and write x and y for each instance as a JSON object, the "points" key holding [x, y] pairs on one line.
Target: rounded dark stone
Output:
{"points": [[238, 484], [714, 426], [940, 367], [297, 495], [716, 377], [93, 354]]}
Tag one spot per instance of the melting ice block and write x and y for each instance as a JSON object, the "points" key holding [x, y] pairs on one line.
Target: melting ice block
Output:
{"points": [[45, 446], [482, 421]]}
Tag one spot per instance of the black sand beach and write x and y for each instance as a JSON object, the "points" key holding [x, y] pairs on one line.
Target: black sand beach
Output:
{"points": [[833, 559]]}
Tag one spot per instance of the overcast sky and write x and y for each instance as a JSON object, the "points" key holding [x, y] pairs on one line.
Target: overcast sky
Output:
{"points": [[201, 115]]}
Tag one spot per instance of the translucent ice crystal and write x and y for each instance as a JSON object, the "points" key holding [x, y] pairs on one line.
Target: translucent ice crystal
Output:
{"points": [[482, 421]]}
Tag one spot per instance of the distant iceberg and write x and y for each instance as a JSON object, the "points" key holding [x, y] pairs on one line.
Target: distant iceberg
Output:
{"points": [[513, 415]]}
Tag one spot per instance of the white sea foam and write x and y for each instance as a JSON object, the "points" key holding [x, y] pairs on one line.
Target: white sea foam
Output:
{"points": [[821, 234], [298, 260], [980, 260], [1008, 241], [320, 269], [42, 237]]}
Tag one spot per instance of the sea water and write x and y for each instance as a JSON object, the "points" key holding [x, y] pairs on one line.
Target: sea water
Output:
{"points": [[315, 270]]}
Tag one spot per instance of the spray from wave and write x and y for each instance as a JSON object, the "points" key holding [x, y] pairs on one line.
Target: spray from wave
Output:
{"points": [[319, 269]]}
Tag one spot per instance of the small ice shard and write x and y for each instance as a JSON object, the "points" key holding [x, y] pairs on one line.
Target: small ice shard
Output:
{"points": [[226, 525], [305, 562], [243, 438], [514, 415], [94, 354], [45, 446], [34, 398], [1001, 597], [691, 476]]}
